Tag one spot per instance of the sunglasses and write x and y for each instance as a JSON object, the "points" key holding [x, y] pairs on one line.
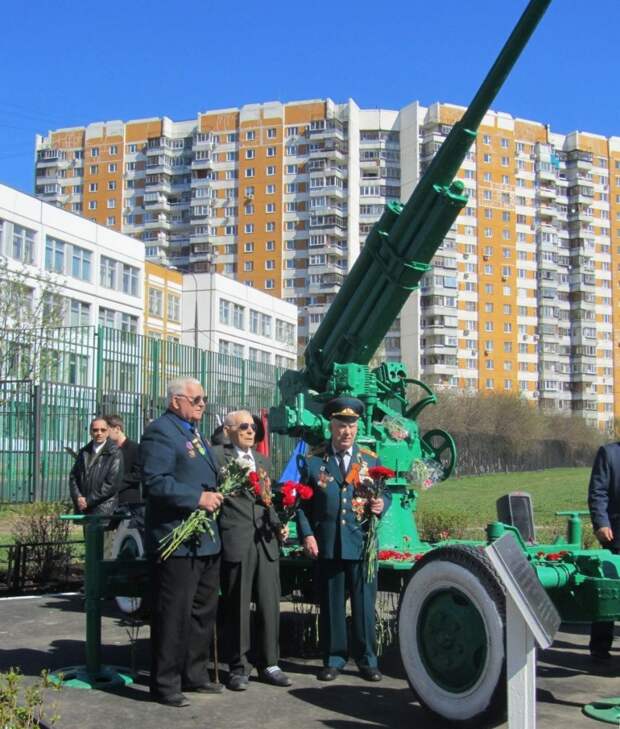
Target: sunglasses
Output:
{"points": [[247, 426], [198, 400], [98, 430]]}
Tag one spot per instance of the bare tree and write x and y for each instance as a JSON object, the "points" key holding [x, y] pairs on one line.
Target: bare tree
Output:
{"points": [[30, 307]]}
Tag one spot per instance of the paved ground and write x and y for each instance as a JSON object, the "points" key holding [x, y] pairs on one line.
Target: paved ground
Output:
{"points": [[48, 632]]}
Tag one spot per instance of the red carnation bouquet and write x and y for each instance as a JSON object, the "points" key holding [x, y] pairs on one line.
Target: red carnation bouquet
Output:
{"points": [[287, 499], [235, 479], [369, 483]]}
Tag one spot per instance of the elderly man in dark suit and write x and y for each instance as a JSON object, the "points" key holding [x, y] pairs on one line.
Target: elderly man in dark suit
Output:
{"points": [[180, 476], [250, 563], [604, 505], [333, 534]]}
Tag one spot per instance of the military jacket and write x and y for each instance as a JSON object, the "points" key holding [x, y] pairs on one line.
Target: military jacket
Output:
{"points": [[333, 516]]}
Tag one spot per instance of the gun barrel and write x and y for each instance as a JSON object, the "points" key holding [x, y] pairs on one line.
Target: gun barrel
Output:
{"points": [[400, 246]]}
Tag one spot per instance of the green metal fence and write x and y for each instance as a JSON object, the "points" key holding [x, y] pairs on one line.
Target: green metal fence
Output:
{"points": [[87, 371]]}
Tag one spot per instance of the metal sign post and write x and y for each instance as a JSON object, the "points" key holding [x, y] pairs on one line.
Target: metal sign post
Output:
{"points": [[530, 618]]}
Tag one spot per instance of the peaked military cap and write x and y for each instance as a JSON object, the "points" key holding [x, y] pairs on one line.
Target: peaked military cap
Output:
{"points": [[347, 409]]}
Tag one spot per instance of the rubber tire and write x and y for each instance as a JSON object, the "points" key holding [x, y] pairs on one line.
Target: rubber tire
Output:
{"points": [[469, 571], [128, 539]]}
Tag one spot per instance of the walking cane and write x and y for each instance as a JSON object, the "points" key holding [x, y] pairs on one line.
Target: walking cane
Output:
{"points": [[216, 667]]}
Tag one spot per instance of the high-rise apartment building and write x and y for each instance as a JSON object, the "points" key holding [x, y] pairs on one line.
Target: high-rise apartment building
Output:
{"points": [[522, 296]]}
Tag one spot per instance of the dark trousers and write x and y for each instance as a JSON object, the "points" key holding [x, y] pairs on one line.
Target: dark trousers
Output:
{"points": [[185, 596], [256, 578], [336, 576], [602, 633]]}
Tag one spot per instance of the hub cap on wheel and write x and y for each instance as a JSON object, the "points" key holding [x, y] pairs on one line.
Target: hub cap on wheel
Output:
{"points": [[452, 640]]}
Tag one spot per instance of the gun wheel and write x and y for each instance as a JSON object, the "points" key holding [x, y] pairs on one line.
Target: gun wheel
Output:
{"points": [[451, 633], [441, 447], [128, 545]]}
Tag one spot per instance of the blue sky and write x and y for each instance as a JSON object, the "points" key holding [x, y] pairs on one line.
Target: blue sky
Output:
{"points": [[68, 63]]}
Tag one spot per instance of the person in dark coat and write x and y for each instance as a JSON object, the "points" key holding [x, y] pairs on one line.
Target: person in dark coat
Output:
{"points": [[250, 533], [96, 477], [604, 505], [180, 476], [130, 489], [332, 533]]}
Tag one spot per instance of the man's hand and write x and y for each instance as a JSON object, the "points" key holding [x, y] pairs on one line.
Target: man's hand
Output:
{"points": [[604, 535], [376, 506], [210, 501], [81, 503], [311, 548]]}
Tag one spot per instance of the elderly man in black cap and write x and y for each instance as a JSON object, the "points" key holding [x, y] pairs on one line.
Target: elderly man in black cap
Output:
{"points": [[333, 534]]}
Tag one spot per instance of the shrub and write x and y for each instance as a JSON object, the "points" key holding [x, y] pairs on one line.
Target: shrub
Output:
{"points": [[439, 524], [50, 554], [22, 708]]}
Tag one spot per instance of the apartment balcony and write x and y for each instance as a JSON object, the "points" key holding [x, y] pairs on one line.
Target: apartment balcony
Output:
{"points": [[439, 368], [329, 267], [580, 280], [547, 175], [546, 192], [158, 186], [153, 201], [440, 348], [202, 164], [546, 213], [162, 223], [330, 246]]}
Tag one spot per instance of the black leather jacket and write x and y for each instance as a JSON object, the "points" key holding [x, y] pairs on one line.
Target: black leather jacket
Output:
{"points": [[98, 483]]}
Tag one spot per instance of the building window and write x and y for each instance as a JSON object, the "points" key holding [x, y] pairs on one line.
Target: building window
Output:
{"points": [[270, 227], [269, 283], [129, 323], [111, 203], [285, 332], [250, 153], [271, 170], [251, 135], [23, 244], [174, 307], [80, 263], [248, 247], [79, 313], [112, 185], [94, 152], [238, 316], [112, 167], [92, 204], [107, 272], [156, 302], [248, 266], [225, 312], [130, 279], [107, 317], [270, 245], [92, 187], [271, 133], [54, 255], [270, 264], [271, 151], [249, 172]]}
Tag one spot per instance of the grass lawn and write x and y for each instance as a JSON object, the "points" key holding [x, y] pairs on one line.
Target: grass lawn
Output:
{"points": [[474, 497]]}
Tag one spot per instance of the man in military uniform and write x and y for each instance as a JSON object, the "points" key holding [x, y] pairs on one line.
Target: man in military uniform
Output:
{"points": [[333, 532]]}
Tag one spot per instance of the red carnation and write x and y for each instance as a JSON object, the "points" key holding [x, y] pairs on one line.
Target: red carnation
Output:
{"points": [[305, 492], [255, 484], [378, 473]]}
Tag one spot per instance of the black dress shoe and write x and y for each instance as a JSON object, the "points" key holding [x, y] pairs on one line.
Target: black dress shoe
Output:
{"points": [[205, 688], [328, 673], [276, 677], [238, 682], [368, 673], [600, 656], [176, 700]]}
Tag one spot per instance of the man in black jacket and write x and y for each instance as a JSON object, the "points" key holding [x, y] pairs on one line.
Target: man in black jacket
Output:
{"points": [[96, 477], [604, 505], [129, 492], [250, 563]]}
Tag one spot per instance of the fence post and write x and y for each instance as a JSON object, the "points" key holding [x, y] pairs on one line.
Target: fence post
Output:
{"points": [[99, 365], [36, 449]]}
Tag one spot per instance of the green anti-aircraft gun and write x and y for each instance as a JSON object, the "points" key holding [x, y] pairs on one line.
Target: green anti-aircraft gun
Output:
{"points": [[451, 618]]}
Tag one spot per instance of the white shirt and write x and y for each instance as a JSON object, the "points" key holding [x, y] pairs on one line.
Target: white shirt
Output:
{"points": [[347, 454], [97, 447], [246, 456]]}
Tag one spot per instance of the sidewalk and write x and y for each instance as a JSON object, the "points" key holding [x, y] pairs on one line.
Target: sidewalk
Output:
{"points": [[48, 632]]}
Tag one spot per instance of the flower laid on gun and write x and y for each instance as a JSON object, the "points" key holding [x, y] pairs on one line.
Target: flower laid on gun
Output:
{"points": [[425, 472], [396, 427], [235, 478], [369, 484]]}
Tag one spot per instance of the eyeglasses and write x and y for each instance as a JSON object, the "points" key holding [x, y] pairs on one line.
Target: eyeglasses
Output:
{"points": [[198, 400], [98, 430], [246, 426]]}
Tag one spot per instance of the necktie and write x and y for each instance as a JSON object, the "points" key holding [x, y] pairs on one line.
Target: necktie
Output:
{"points": [[340, 458]]}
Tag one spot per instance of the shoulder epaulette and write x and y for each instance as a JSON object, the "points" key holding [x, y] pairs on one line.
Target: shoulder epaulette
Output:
{"points": [[368, 452], [318, 450]]}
